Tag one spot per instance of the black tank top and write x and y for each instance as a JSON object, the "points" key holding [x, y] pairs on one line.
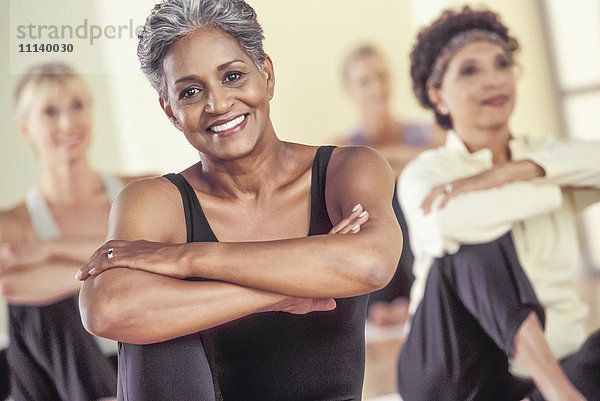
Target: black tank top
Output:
{"points": [[273, 355]]}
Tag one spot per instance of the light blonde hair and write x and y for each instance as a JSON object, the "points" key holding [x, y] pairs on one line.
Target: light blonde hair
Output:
{"points": [[44, 74], [359, 53]]}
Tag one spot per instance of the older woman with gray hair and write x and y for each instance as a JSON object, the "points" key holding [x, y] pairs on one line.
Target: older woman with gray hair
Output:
{"points": [[233, 279]]}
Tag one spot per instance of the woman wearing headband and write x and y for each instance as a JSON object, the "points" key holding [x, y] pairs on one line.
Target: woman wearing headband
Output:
{"points": [[256, 227], [46, 238], [489, 213]]}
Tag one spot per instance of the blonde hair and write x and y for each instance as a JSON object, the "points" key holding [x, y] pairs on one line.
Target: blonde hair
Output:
{"points": [[49, 73], [359, 53]]}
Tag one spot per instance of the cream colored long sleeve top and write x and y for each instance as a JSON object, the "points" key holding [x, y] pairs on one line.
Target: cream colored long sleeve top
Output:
{"points": [[540, 214]]}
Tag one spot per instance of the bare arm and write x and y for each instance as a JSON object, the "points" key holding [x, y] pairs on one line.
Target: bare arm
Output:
{"points": [[41, 272], [33, 271], [139, 307], [117, 303], [39, 285], [40, 252], [314, 267], [325, 266]]}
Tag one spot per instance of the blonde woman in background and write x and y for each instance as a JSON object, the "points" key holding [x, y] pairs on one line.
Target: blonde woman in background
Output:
{"points": [[367, 81], [45, 239]]}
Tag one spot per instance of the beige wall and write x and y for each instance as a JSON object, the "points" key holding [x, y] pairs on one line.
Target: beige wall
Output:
{"points": [[307, 40]]}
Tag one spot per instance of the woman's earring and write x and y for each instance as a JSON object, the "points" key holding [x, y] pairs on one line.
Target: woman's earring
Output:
{"points": [[444, 111]]}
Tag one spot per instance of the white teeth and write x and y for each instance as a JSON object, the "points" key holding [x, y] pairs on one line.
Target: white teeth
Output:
{"points": [[228, 125]]}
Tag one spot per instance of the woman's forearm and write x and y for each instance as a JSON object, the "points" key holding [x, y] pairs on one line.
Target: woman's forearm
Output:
{"points": [[139, 307], [318, 266], [40, 252], [40, 284], [321, 266], [324, 266]]}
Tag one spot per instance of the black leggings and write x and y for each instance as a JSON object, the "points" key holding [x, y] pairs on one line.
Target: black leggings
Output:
{"points": [[52, 357], [463, 330]]}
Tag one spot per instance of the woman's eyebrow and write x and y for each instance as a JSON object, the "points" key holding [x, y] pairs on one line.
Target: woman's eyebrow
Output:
{"points": [[186, 78], [222, 67], [228, 64]]}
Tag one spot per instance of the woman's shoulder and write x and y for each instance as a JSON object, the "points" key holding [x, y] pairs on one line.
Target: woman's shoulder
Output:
{"points": [[358, 161], [128, 179], [344, 158], [148, 192], [150, 184], [150, 208], [357, 154]]}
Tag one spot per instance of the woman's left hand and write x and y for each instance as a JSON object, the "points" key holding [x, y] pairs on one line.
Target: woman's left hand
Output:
{"points": [[351, 223], [154, 257]]}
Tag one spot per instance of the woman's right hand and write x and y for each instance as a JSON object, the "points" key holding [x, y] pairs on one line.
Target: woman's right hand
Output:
{"points": [[350, 224], [301, 306]]}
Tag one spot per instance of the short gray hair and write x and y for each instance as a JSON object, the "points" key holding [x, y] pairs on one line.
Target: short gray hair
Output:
{"points": [[170, 20]]}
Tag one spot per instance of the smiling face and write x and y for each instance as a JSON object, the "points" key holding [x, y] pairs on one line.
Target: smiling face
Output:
{"points": [[478, 88], [216, 94], [57, 119], [368, 83]]}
